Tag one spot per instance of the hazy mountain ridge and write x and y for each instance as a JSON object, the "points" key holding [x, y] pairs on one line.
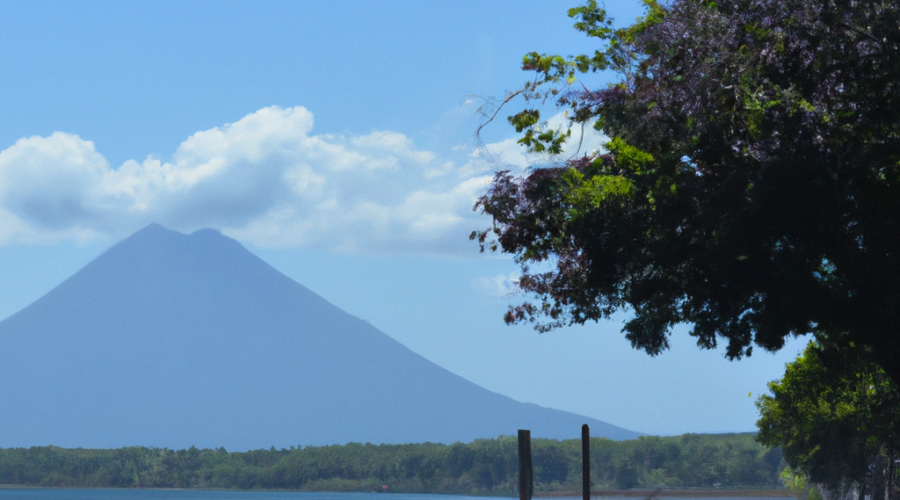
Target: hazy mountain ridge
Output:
{"points": [[175, 340]]}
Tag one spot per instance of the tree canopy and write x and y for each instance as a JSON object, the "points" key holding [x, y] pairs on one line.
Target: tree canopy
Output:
{"points": [[485, 467], [750, 187], [836, 417]]}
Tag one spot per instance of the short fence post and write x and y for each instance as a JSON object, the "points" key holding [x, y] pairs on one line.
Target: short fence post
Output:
{"points": [[585, 462], [526, 478]]}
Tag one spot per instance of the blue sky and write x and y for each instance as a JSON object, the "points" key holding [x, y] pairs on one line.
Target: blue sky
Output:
{"points": [[334, 139]]}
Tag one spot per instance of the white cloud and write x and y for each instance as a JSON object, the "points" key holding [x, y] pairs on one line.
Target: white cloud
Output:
{"points": [[497, 287], [265, 179]]}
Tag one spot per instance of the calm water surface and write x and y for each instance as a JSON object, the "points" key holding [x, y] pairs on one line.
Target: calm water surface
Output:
{"points": [[128, 494]]}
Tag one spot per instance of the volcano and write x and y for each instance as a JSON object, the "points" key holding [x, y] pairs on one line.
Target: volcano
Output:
{"points": [[174, 340]]}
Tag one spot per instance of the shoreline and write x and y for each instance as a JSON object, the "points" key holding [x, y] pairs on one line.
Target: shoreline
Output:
{"points": [[645, 494]]}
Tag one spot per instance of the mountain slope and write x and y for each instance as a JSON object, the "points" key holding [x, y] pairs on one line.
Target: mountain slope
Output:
{"points": [[175, 340]]}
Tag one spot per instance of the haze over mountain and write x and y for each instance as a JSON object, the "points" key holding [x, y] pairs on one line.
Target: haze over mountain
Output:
{"points": [[178, 340]]}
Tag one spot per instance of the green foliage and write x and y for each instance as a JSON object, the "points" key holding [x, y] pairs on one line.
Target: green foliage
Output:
{"points": [[754, 147], [833, 415], [483, 467], [799, 485]]}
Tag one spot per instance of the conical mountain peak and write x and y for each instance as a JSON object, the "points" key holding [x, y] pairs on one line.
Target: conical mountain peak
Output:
{"points": [[157, 236], [175, 340]]}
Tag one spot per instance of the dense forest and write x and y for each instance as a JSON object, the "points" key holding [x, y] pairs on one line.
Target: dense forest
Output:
{"points": [[485, 467]]}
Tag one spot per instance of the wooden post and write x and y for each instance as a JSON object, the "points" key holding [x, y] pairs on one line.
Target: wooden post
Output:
{"points": [[889, 483], [585, 462], [526, 477]]}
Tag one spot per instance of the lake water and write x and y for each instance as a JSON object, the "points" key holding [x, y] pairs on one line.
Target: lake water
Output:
{"points": [[136, 494]]}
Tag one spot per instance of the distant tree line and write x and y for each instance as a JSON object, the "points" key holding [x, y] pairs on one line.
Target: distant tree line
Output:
{"points": [[484, 467]]}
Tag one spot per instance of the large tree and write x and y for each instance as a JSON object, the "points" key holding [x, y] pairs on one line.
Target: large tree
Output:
{"points": [[836, 417], [750, 187]]}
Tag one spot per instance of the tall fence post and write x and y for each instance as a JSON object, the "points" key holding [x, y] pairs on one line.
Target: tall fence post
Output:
{"points": [[585, 462], [526, 477]]}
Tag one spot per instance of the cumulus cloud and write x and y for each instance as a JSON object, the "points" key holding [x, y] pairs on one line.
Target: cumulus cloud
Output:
{"points": [[265, 179]]}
